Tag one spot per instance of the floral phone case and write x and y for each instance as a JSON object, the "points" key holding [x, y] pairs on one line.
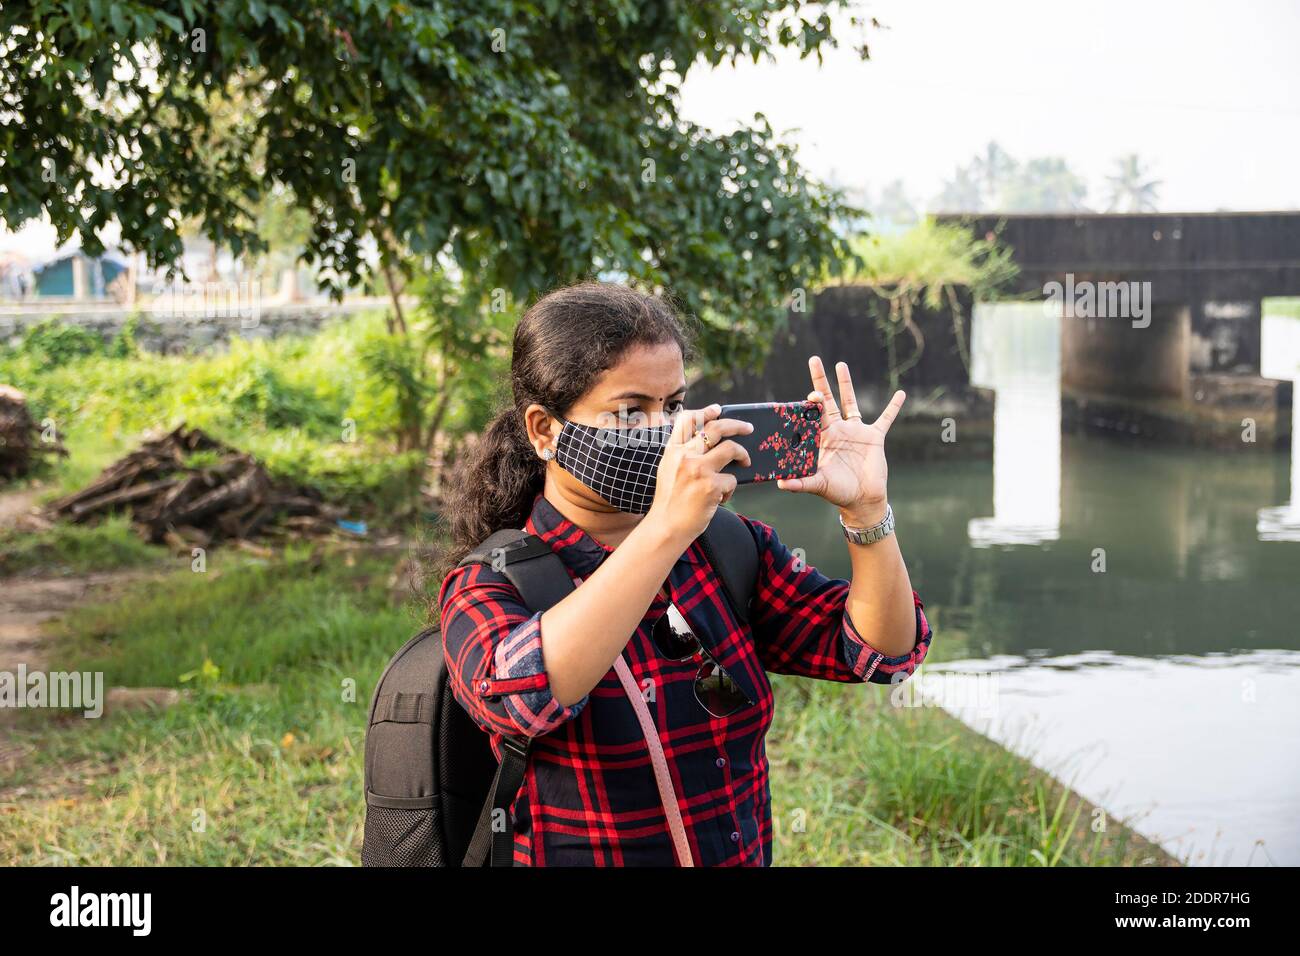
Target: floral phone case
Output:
{"points": [[784, 441]]}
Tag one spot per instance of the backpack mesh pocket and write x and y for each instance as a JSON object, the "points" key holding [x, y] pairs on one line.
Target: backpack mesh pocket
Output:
{"points": [[399, 836]]}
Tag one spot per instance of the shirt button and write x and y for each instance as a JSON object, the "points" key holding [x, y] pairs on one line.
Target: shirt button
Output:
{"points": [[735, 837], [721, 762]]}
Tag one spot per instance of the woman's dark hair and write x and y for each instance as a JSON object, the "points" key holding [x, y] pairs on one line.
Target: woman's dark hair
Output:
{"points": [[561, 346]]}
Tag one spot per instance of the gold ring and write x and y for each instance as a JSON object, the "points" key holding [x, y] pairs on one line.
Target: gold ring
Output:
{"points": [[704, 437]]}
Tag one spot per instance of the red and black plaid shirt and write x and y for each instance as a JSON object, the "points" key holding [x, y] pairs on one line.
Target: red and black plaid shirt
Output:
{"points": [[589, 795]]}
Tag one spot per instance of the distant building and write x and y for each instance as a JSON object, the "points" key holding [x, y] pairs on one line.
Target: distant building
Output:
{"points": [[75, 275]]}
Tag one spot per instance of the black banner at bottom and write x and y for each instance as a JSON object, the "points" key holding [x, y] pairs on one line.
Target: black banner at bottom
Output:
{"points": [[339, 906]]}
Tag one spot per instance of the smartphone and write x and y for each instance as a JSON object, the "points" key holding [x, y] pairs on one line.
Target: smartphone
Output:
{"points": [[783, 443]]}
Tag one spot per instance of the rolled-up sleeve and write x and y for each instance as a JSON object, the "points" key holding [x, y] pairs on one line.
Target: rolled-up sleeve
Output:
{"points": [[801, 623], [871, 665], [493, 648]]}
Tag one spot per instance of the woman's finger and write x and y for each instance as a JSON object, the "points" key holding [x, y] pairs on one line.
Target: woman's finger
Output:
{"points": [[830, 411], [683, 428], [848, 398], [724, 453], [814, 484], [891, 411], [721, 428], [689, 420], [727, 483]]}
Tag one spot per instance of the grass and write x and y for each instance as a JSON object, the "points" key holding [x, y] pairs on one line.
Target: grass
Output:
{"points": [[858, 782], [72, 549], [1286, 307], [871, 784], [262, 762]]}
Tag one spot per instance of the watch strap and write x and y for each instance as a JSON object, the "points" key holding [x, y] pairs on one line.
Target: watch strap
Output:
{"points": [[877, 532]]}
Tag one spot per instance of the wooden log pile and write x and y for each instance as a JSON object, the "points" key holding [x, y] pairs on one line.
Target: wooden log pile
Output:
{"points": [[20, 443], [187, 489]]}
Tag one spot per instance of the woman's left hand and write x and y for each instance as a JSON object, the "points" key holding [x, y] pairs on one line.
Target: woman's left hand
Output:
{"points": [[851, 469]]}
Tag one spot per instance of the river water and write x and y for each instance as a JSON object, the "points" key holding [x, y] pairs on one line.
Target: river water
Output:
{"points": [[1137, 607]]}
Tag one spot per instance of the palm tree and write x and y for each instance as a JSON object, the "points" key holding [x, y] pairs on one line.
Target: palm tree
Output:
{"points": [[1130, 190]]}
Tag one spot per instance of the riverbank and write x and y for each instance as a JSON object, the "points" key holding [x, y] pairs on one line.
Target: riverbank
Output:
{"points": [[260, 761]]}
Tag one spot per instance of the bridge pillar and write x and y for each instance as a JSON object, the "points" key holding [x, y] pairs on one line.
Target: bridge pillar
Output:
{"points": [[1109, 356]]}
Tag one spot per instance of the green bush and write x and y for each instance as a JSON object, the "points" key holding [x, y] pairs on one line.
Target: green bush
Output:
{"points": [[923, 268], [309, 408], [53, 344]]}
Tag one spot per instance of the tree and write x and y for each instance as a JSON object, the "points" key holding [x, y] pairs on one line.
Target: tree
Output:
{"points": [[523, 144], [1130, 190], [894, 205], [1044, 185], [961, 193], [992, 168]]}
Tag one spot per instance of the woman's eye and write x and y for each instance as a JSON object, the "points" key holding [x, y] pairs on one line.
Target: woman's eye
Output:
{"points": [[675, 406]]}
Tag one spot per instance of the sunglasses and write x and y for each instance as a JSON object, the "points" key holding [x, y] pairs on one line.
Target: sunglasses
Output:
{"points": [[715, 689]]}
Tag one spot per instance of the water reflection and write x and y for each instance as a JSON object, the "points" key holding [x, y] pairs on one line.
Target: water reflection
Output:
{"points": [[1197, 753], [1166, 687], [1280, 358], [1016, 351]]}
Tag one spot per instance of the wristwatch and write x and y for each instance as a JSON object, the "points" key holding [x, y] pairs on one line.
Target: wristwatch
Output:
{"points": [[873, 534]]}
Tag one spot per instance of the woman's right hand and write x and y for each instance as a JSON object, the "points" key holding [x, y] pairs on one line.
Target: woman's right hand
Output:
{"points": [[689, 485]]}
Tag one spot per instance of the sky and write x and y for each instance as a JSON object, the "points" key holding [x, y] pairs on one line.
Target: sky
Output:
{"points": [[1207, 93]]}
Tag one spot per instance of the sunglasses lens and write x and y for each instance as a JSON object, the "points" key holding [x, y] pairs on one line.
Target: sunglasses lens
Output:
{"points": [[717, 692], [714, 689], [671, 643]]}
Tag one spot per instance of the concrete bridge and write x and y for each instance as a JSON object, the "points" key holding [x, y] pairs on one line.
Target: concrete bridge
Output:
{"points": [[1160, 312]]}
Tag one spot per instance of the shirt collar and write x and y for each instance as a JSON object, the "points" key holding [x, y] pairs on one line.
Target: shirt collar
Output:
{"points": [[580, 551]]}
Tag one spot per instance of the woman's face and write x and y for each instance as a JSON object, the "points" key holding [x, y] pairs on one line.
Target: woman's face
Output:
{"points": [[645, 388]]}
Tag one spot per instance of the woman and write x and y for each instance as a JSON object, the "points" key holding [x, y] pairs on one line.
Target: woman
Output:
{"points": [[583, 357]]}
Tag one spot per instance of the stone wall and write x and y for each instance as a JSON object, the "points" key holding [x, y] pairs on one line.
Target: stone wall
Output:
{"points": [[173, 333]]}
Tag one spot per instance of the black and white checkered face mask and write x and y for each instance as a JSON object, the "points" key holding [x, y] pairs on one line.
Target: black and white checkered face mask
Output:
{"points": [[619, 464]]}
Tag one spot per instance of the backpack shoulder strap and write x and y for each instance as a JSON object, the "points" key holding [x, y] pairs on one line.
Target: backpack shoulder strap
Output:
{"points": [[540, 577], [732, 551], [533, 568]]}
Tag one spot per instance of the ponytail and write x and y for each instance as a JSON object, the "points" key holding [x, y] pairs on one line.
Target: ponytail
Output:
{"points": [[494, 489]]}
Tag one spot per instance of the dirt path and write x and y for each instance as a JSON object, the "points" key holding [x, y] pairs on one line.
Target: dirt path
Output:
{"points": [[15, 504], [30, 603], [25, 604]]}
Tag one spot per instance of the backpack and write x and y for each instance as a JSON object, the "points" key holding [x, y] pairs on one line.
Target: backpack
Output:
{"points": [[432, 784]]}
